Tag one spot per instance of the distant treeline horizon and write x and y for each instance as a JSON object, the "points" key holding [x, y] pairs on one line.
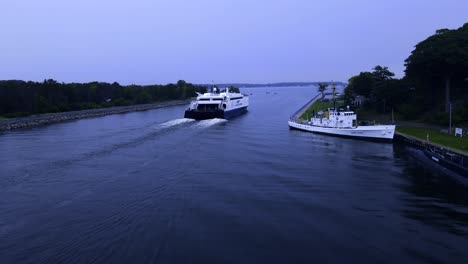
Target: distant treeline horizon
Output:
{"points": [[23, 98], [221, 85], [278, 84]]}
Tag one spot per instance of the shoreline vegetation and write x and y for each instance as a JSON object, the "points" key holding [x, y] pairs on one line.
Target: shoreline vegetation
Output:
{"points": [[50, 118], [21, 98], [430, 100], [434, 89], [425, 133]]}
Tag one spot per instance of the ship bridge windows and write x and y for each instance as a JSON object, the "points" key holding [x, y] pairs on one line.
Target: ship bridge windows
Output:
{"points": [[210, 99], [207, 107]]}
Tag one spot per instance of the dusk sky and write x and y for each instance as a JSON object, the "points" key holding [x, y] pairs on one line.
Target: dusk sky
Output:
{"points": [[262, 41]]}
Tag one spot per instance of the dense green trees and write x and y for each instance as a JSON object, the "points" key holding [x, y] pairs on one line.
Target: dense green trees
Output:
{"points": [[380, 90], [440, 60], [361, 84], [234, 89], [436, 76], [20, 98]]}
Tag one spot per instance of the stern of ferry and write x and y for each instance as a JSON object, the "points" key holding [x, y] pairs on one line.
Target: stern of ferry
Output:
{"points": [[202, 115]]}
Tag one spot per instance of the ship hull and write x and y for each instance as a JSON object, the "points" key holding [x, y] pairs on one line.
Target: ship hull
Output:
{"points": [[380, 132], [202, 115]]}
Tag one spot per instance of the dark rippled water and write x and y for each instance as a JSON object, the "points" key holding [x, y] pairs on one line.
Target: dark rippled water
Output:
{"points": [[151, 187]]}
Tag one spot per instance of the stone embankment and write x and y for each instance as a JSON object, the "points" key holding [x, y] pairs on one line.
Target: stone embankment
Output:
{"points": [[45, 119], [304, 108]]}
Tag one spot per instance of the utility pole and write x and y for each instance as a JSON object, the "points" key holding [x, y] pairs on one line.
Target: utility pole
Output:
{"points": [[393, 120], [450, 122]]}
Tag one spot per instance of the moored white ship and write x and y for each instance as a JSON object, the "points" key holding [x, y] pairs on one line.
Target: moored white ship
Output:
{"points": [[343, 123], [217, 105]]}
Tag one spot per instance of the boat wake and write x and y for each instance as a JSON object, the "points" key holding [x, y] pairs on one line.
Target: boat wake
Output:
{"points": [[210, 122], [174, 122], [143, 136]]}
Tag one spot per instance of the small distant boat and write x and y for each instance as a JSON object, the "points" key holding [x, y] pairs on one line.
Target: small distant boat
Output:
{"points": [[343, 123], [217, 105]]}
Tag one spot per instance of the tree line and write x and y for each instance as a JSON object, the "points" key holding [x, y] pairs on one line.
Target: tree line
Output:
{"points": [[435, 81], [21, 98]]}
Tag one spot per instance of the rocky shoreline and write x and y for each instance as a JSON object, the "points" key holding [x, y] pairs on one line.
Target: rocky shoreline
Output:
{"points": [[45, 119]]}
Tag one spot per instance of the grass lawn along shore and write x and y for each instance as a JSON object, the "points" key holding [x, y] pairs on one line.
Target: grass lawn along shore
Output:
{"points": [[316, 107], [438, 138]]}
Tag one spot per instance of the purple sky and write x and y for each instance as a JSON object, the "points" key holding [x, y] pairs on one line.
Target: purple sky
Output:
{"points": [[261, 41]]}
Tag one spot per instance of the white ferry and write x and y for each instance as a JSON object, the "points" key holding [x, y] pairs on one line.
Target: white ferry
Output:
{"points": [[217, 105], [343, 123]]}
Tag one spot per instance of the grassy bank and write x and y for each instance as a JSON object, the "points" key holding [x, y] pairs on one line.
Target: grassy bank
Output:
{"points": [[458, 143], [315, 107]]}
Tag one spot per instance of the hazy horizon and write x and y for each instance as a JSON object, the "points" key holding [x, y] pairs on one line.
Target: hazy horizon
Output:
{"points": [[147, 42]]}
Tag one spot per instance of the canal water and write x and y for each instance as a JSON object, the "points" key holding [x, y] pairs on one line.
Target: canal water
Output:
{"points": [[152, 187]]}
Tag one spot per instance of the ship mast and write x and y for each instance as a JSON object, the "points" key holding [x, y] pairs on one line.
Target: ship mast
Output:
{"points": [[334, 98]]}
